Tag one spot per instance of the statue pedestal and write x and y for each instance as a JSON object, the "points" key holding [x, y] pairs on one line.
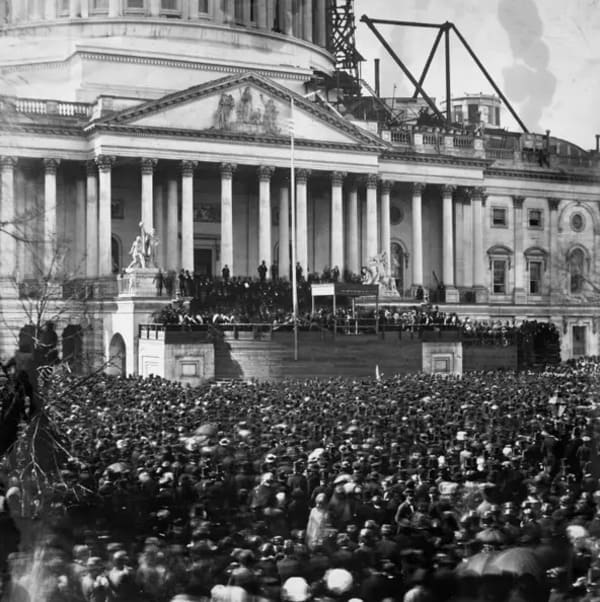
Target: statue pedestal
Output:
{"points": [[451, 295], [138, 282]]}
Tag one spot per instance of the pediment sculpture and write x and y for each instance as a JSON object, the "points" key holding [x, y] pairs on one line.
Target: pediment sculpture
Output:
{"points": [[246, 115]]}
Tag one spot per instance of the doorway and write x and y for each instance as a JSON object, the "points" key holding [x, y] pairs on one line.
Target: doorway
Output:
{"points": [[579, 340], [203, 262]]}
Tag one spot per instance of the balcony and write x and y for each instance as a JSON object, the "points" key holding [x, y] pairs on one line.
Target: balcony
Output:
{"points": [[502, 147]]}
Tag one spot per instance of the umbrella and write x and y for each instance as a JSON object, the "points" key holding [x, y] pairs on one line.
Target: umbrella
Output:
{"points": [[518, 561], [207, 429], [491, 537], [476, 564], [118, 468]]}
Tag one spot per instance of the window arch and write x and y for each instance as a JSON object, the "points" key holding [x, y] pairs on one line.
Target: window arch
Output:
{"points": [[578, 265], [398, 263], [500, 258]]}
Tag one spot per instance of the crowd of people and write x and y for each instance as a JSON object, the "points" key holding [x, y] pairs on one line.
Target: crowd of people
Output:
{"points": [[406, 488]]}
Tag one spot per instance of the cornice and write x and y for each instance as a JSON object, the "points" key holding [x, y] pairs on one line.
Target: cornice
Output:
{"points": [[523, 174], [233, 137], [438, 159], [39, 128], [189, 64]]}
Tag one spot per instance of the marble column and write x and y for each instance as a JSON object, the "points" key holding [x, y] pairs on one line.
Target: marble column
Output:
{"points": [[7, 216], [302, 219], [147, 217], [417, 235], [114, 8], [78, 261], [227, 170], [159, 223], [261, 14], [172, 229], [553, 251], [74, 10], [91, 220], [284, 230], [308, 20], [519, 294], [50, 235], [372, 237], [481, 291], [386, 243], [105, 164], [353, 246], [451, 291], [337, 221], [187, 215], [264, 215], [320, 35], [467, 242], [286, 17]]}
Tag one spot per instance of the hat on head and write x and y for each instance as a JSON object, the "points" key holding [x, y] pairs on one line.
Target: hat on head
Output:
{"points": [[338, 581], [295, 589]]}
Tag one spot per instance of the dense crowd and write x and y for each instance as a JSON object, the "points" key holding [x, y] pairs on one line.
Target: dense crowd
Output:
{"points": [[407, 488]]}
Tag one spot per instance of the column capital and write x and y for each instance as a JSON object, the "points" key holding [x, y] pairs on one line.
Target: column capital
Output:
{"points": [[51, 165], [302, 175], [477, 193], [187, 168], [418, 187], [448, 189], [553, 202], [518, 201], [227, 170], [105, 162], [386, 186], [337, 177], [372, 180], [7, 162], [148, 165], [265, 172], [91, 168]]}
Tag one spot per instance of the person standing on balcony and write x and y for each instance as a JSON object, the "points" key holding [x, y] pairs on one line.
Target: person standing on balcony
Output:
{"points": [[262, 271], [159, 279], [225, 273]]}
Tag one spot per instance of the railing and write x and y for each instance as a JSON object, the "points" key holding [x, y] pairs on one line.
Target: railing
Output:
{"points": [[462, 141], [433, 139], [401, 137], [49, 107]]}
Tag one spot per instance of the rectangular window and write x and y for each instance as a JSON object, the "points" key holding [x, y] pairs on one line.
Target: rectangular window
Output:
{"points": [[203, 6], [99, 5], [252, 11], [169, 5], [499, 217], [63, 7], [135, 4], [534, 218], [535, 277], [499, 275], [458, 113]]}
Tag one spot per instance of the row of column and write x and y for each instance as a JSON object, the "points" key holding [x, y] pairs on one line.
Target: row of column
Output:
{"points": [[304, 19], [98, 219]]}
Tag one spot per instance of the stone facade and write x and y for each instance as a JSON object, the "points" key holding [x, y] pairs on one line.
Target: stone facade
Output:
{"points": [[180, 118]]}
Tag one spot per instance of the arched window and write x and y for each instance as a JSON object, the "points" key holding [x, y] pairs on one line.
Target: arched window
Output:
{"points": [[577, 266], [398, 264]]}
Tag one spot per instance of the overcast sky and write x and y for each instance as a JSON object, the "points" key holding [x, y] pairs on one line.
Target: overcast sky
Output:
{"points": [[544, 55]]}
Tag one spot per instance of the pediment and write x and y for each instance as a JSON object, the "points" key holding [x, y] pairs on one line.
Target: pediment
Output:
{"points": [[247, 105]]}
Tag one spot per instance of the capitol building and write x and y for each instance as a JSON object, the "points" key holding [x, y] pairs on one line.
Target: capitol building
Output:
{"points": [[178, 114]]}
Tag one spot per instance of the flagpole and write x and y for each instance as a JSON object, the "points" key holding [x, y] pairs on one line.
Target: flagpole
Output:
{"points": [[293, 210]]}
